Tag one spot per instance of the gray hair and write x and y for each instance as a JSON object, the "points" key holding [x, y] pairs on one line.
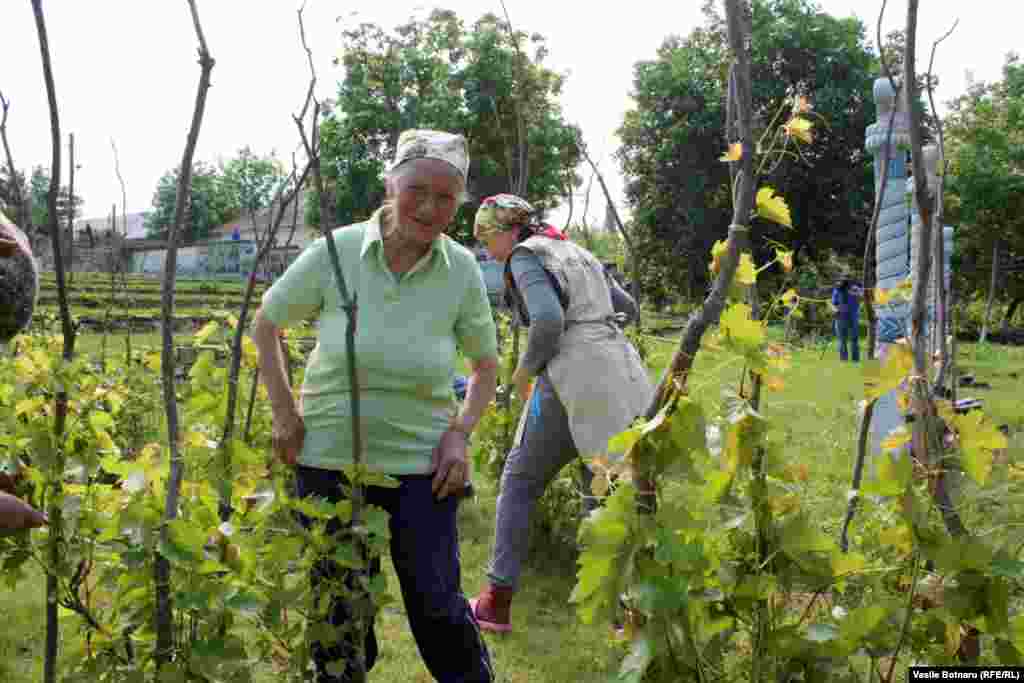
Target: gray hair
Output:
{"points": [[403, 169]]}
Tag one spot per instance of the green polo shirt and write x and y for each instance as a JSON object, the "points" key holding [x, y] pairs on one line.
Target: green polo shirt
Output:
{"points": [[408, 330]]}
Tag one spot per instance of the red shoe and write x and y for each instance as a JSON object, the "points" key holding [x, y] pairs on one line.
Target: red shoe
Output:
{"points": [[492, 608]]}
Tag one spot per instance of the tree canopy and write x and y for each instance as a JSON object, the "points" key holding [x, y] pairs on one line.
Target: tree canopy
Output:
{"points": [[244, 184], [674, 138], [985, 190], [434, 73]]}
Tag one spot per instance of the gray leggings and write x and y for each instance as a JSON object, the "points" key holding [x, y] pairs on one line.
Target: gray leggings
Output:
{"points": [[546, 446]]}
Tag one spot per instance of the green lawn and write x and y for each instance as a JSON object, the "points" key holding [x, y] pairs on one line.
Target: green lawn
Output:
{"points": [[816, 410]]}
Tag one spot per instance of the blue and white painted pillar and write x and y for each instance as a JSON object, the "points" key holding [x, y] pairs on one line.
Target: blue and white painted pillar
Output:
{"points": [[892, 239]]}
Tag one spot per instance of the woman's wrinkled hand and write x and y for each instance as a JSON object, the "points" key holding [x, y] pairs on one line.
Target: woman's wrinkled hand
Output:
{"points": [[451, 469], [287, 437], [17, 514]]}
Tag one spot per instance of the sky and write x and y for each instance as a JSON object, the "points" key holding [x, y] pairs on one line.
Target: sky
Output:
{"points": [[127, 71]]}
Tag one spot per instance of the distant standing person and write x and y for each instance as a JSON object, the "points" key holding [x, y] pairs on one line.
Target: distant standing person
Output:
{"points": [[846, 302]]}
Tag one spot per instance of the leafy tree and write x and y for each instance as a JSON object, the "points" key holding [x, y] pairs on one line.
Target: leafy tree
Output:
{"points": [[210, 204], [244, 184], [37, 189], [985, 190], [251, 180], [433, 73], [674, 138]]}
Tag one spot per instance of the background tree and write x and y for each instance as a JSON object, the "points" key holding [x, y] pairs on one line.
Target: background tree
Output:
{"points": [[673, 139], [433, 73], [244, 184], [39, 212], [985, 198], [208, 204], [251, 180]]}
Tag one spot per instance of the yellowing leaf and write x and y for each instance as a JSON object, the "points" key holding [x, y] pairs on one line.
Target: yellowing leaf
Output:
{"points": [[746, 273], [773, 207], [204, 333], [740, 329], [734, 153], [785, 259], [978, 439], [796, 472], [893, 477], [896, 439], [897, 537], [789, 297], [900, 292], [104, 441], [843, 564], [194, 439], [717, 252], [881, 377], [28, 406], [799, 128], [152, 361], [903, 401], [248, 351]]}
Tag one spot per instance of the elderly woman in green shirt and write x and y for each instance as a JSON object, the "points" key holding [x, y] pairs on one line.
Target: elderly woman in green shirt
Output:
{"points": [[421, 298]]}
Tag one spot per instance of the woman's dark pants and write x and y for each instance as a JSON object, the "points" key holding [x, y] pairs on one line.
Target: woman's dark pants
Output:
{"points": [[425, 555]]}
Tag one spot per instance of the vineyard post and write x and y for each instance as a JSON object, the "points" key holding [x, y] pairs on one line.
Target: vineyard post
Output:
{"points": [[886, 142], [110, 301], [349, 302], [71, 208], [54, 495], [122, 255], [738, 20], [164, 615]]}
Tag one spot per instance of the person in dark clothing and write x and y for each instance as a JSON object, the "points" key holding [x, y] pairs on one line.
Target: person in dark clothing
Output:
{"points": [[846, 302]]}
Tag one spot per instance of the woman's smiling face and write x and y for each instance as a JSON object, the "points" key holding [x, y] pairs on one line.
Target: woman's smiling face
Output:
{"points": [[426, 196]]}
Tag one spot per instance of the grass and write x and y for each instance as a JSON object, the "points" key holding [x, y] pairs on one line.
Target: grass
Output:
{"points": [[816, 411]]}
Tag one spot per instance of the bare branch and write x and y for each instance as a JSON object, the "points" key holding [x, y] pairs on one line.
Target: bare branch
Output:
{"points": [[523, 145], [55, 542], [12, 174], [678, 369], [310, 97], [941, 301], [164, 617], [124, 194], [881, 47], [869, 410], [350, 305]]}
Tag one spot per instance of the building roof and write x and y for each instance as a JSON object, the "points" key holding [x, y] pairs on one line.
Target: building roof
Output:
{"points": [[136, 224]]}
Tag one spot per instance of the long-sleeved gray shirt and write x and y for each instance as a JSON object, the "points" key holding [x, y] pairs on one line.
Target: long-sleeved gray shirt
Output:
{"points": [[547, 319]]}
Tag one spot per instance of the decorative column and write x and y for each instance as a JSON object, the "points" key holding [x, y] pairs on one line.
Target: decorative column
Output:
{"points": [[892, 239]]}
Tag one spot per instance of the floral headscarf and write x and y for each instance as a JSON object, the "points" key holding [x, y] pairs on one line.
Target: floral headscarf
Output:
{"points": [[505, 212], [432, 144]]}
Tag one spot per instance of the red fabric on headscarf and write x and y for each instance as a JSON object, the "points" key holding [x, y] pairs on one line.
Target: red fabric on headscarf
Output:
{"points": [[551, 231]]}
